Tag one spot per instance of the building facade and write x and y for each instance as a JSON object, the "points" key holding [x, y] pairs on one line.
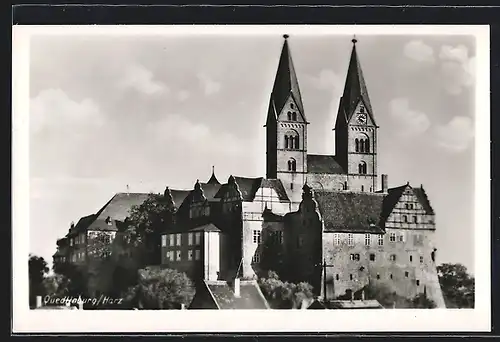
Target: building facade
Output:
{"points": [[316, 218]]}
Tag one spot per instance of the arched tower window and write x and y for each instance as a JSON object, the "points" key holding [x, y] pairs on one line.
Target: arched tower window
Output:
{"points": [[289, 115], [362, 168], [292, 140], [357, 145], [367, 145], [362, 143], [294, 116], [292, 165]]}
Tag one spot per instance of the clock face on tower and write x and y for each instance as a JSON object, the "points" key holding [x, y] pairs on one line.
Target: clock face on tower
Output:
{"points": [[361, 118]]}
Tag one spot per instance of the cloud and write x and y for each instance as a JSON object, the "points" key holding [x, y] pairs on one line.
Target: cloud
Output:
{"points": [[458, 69], [183, 95], [419, 51], [141, 79], [209, 86], [52, 108], [179, 130], [327, 79], [411, 122], [456, 135]]}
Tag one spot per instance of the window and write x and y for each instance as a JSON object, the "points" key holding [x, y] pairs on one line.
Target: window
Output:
{"points": [[411, 258], [378, 276], [289, 115], [190, 254], [336, 239], [392, 257], [390, 276], [407, 274], [300, 241], [362, 188], [357, 144], [294, 116], [367, 145], [421, 259], [163, 240], [372, 257], [405, 218], [172, 237], [380, 240], [350, 276], [256, 236], [368, 239], [178, 255], [197, 238], [337, 277], [350, 239], [355, 257], [362, 168], [361, 109], [401, 237], [279, 238], [178, 239], [170, 256], [256, 258], [392, 237], [292, 165], [415, 220], [190, 239], [418, 282], [345, 185], [291, 105], [197, 254], [407, 206], [71, 242], [292, 140]]}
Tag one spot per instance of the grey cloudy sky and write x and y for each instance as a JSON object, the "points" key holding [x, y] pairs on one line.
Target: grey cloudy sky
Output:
{"points": [[151, 111]]}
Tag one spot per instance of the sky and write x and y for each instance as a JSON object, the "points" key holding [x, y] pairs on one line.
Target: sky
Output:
{"points": [[156, 111]]}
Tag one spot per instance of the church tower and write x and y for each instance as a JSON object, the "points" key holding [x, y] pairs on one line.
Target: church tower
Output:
{"points": [[356, 130], [286, 129]]}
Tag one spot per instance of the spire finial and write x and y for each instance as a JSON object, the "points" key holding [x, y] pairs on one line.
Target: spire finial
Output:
{"points": [[286, 36], [213, 169], [354, 40]]}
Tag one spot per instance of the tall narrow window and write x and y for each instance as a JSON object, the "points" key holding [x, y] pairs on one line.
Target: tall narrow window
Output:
{"points": [[362, 188], [405, 218], [350, 276], [415, 220], [296, 142], [197, 254], [337, 277], [172, 239], [381, 240], [336, 239], [292, 165], [362, 168], [345, 185], [163, 240], [286, 141], [350, 239], [357, 144], [411, 258], [197, 238], [362, 145], [190, 254], [190, 239], [367, 145], [179, 236], [289, 116], [178, 256], [368, 240], [294, 116], [392, 257]]}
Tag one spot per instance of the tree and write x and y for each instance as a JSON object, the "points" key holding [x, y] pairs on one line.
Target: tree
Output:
{"points": [[160, 289], [457, 285], [148, 221], [390, 299], [37, 267], [284, 295]]}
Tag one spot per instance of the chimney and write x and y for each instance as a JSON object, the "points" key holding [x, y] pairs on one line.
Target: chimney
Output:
{"points": [[38, 301], [236, 287], [384, 183]]}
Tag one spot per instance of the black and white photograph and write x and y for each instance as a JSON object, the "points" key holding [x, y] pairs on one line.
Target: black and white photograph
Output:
{"points": [[172, 172]]}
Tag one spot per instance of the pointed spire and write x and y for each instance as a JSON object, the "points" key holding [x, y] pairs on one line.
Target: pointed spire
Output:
{"points": [[213, 179], [355, 89], [285, 83]]}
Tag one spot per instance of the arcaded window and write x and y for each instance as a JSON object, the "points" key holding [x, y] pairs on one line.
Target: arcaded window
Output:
{"points": [[292, 165], [292, 140]]}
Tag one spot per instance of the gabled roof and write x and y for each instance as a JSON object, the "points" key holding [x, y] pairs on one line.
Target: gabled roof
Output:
{"points": [[353, 212], [317, 163], [249, 186], [209, 227], [394, 195], [251, 296], [355, 90], [285, 84], [118, 208]]}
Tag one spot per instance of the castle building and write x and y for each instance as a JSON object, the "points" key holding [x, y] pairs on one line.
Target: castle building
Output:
{"points": [[322, 219]]}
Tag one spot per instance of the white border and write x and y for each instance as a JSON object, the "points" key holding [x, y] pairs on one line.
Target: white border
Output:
{"points": [[55, 321]]}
